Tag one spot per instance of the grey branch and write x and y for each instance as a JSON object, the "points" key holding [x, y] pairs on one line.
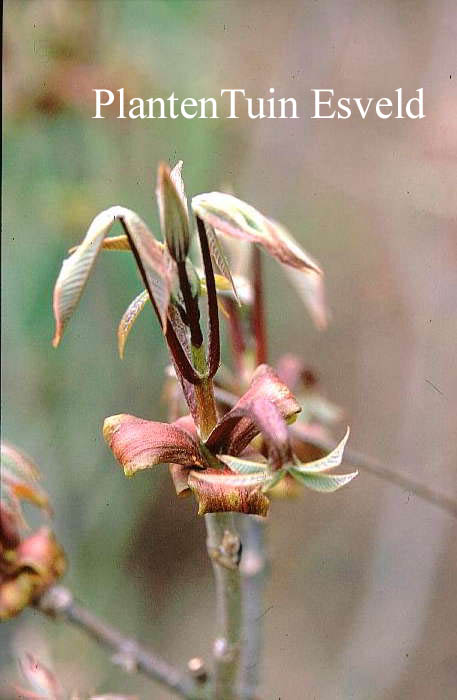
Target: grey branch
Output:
{"points": [[253, 576], [224, 550], [58, 602]]}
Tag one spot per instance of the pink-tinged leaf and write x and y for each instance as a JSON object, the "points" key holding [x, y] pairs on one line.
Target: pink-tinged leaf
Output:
{"points": [[180, 477], [220, 259], [17, 459], [310, 288], [237, 428], [139, 444], [128, 319], [19, 482], [174, 218], [235, 218], [217, 491], [24, 491], [40, 678], [42, 554], [9, 527], [176, 178], [76, 269]]}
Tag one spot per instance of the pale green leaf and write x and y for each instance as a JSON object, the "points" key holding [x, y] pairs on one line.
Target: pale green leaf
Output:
{"points": [[243, 466], [324, 483], [330, 461]]}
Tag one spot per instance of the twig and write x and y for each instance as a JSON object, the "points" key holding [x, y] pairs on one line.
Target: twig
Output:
{"points": [[253, 576], [58, 602], [366, 463], [224, 550]]}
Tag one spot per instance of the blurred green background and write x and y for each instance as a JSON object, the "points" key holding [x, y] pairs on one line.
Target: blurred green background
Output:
{"points": [[361, 602]]}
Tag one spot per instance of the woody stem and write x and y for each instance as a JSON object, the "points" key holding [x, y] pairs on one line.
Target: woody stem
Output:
{"points": [[224, 550]]}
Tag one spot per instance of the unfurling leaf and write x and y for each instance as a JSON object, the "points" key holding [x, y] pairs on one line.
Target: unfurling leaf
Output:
{"points": [[240, 425], [219, 258], [139, 444], [176, 178], [174, 218], [243, 466], [128, 319], [330, 461], [222, 491], [235, 218], [325, 483], [76, 269]]}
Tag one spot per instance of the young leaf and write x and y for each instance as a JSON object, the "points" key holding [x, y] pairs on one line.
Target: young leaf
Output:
{"points": [[219, 258], [128, 319], [174, 219], [235, 430], [330, 461], [325, 483], [176, 178], [140, 444], [243, 466], [76, 269], [235, 218], [222, 491]]}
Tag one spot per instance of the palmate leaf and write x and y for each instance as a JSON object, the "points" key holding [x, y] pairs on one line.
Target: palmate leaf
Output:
{"points": [[76, 269], [324, 483], [330, 461], [235, 218]]}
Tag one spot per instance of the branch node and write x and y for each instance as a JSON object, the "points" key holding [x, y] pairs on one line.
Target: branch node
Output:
{"points": [[55, 601]]}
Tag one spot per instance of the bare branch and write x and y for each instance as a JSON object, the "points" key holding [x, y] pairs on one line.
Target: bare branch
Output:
{"points": [[58, 603]]}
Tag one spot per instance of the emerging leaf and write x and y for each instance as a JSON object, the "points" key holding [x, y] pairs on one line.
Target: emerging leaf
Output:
{"points": [[139, 444], [76, 269], [174, 219], [324, 483], [235, 218], [330, 461], [176, 178], [243, 466], [241, 424], [219, 258], [222, 491], [128, 319]]}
